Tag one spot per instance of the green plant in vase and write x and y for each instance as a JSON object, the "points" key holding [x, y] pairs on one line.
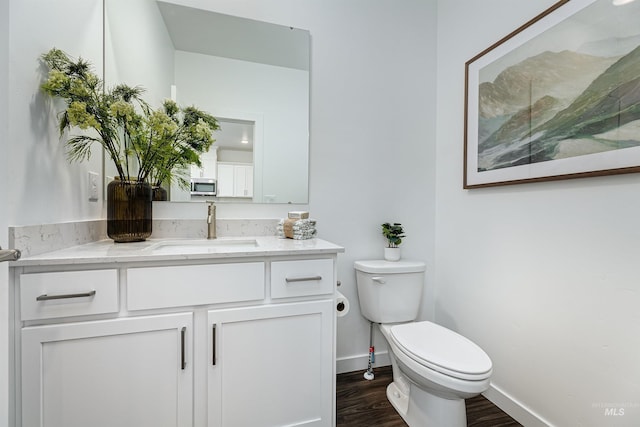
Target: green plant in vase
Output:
{"points": [[145, 145]]}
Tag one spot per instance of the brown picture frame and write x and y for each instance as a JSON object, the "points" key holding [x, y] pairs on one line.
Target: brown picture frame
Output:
{"points": [[557, 98]]}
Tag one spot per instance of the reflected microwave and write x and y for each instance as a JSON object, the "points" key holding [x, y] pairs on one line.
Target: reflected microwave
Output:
{"points": [[203, 187]]}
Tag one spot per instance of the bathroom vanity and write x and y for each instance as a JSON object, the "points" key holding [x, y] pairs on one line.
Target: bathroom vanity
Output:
{"points": [[226, 332]]}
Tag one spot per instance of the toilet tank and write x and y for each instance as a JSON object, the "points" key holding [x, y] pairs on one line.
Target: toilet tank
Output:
{"points": [[389, 291]]}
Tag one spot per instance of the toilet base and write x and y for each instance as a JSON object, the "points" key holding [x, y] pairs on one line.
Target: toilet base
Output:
{"points": [[422, 409], [398, 400]]}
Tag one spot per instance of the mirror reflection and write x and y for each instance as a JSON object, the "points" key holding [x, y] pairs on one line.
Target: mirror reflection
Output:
{"points": [[252, 76]]}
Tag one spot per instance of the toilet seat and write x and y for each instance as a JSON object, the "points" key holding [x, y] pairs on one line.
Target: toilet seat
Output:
{"points": [[442, 350]]}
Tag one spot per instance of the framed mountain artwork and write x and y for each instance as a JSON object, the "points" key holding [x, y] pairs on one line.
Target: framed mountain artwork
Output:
{"points": [[558, 98]]}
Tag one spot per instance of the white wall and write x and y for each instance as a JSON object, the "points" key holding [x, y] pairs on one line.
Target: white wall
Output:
{"points": [[139, 51], [45, 188], [543, 276], [235, 156], [372, 144], [278, 96], [372, 134], [38, 184]]}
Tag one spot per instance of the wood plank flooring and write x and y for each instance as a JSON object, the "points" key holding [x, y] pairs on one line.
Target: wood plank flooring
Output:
{"points": [[362, 403]]}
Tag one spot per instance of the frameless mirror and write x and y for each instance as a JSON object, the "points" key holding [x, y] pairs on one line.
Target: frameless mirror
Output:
{"points": [[253, 76]]}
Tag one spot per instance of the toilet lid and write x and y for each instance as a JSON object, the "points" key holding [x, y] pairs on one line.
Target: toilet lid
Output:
{"points": [[442, 350], [378, 266]]}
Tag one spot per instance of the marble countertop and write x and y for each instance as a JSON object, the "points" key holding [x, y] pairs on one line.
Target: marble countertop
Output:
{"points": [[106, 251]]}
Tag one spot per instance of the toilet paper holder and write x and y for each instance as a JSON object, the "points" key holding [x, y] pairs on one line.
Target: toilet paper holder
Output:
{"points": [[342, 305]]}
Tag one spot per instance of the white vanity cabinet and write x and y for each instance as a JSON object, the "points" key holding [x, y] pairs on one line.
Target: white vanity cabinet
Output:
{"points": [[120, 372], [221, 342], [271, 366], [117, 371]]}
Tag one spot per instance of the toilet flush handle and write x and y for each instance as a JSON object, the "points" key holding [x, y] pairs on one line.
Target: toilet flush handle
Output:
{"points": [[379, 279]]}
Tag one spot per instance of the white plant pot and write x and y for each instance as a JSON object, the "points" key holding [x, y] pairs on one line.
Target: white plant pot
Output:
{"points": [[392, 254]]}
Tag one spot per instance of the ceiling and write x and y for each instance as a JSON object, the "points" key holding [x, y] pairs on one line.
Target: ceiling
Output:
{"points": [[211, 33]]}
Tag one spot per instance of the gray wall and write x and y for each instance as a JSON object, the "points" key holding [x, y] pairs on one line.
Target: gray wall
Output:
{"points": [[543, 276]]}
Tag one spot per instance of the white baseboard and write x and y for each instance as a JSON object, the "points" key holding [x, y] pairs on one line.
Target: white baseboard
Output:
{"points": [[517, 410], [360, 362]]}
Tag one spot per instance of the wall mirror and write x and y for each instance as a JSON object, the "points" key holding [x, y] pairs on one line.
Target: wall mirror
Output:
{"points": [[253, 76]]}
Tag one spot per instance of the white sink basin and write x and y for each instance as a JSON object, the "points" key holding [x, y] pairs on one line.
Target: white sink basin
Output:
{"points": [[198, 246]]}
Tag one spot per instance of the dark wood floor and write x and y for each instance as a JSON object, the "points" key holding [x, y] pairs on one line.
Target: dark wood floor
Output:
{"points": [[364, 403]]}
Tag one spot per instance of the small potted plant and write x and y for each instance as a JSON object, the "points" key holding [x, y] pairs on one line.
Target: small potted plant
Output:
{"points": [[394, 233]]}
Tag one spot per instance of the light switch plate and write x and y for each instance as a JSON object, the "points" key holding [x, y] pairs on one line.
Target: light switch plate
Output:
{"points": [[93, 187]]}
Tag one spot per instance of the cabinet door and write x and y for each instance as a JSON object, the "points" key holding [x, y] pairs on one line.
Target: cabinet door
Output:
{"points": [[235, 180], [272, 366], [118, 372], [243, 181], [225, 180], [248, 170]]}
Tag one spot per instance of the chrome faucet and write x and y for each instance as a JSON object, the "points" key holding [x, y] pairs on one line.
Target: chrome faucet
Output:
{"points": [[9, 254], [211, 220]]}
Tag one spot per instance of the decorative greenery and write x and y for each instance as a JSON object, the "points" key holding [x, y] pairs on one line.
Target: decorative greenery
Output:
{"points": [[179, 136], [150, 145], [393, 233]]}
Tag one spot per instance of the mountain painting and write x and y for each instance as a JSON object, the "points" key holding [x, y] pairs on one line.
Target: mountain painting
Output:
{"points": [[568, 93]]}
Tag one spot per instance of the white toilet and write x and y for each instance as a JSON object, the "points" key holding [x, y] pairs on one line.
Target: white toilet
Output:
{"points": [[434, 368]]}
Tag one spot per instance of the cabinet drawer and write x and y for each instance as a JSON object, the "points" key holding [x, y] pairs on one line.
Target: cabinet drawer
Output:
{"points": [[68, 293], [301, 278], [178, 286]]}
